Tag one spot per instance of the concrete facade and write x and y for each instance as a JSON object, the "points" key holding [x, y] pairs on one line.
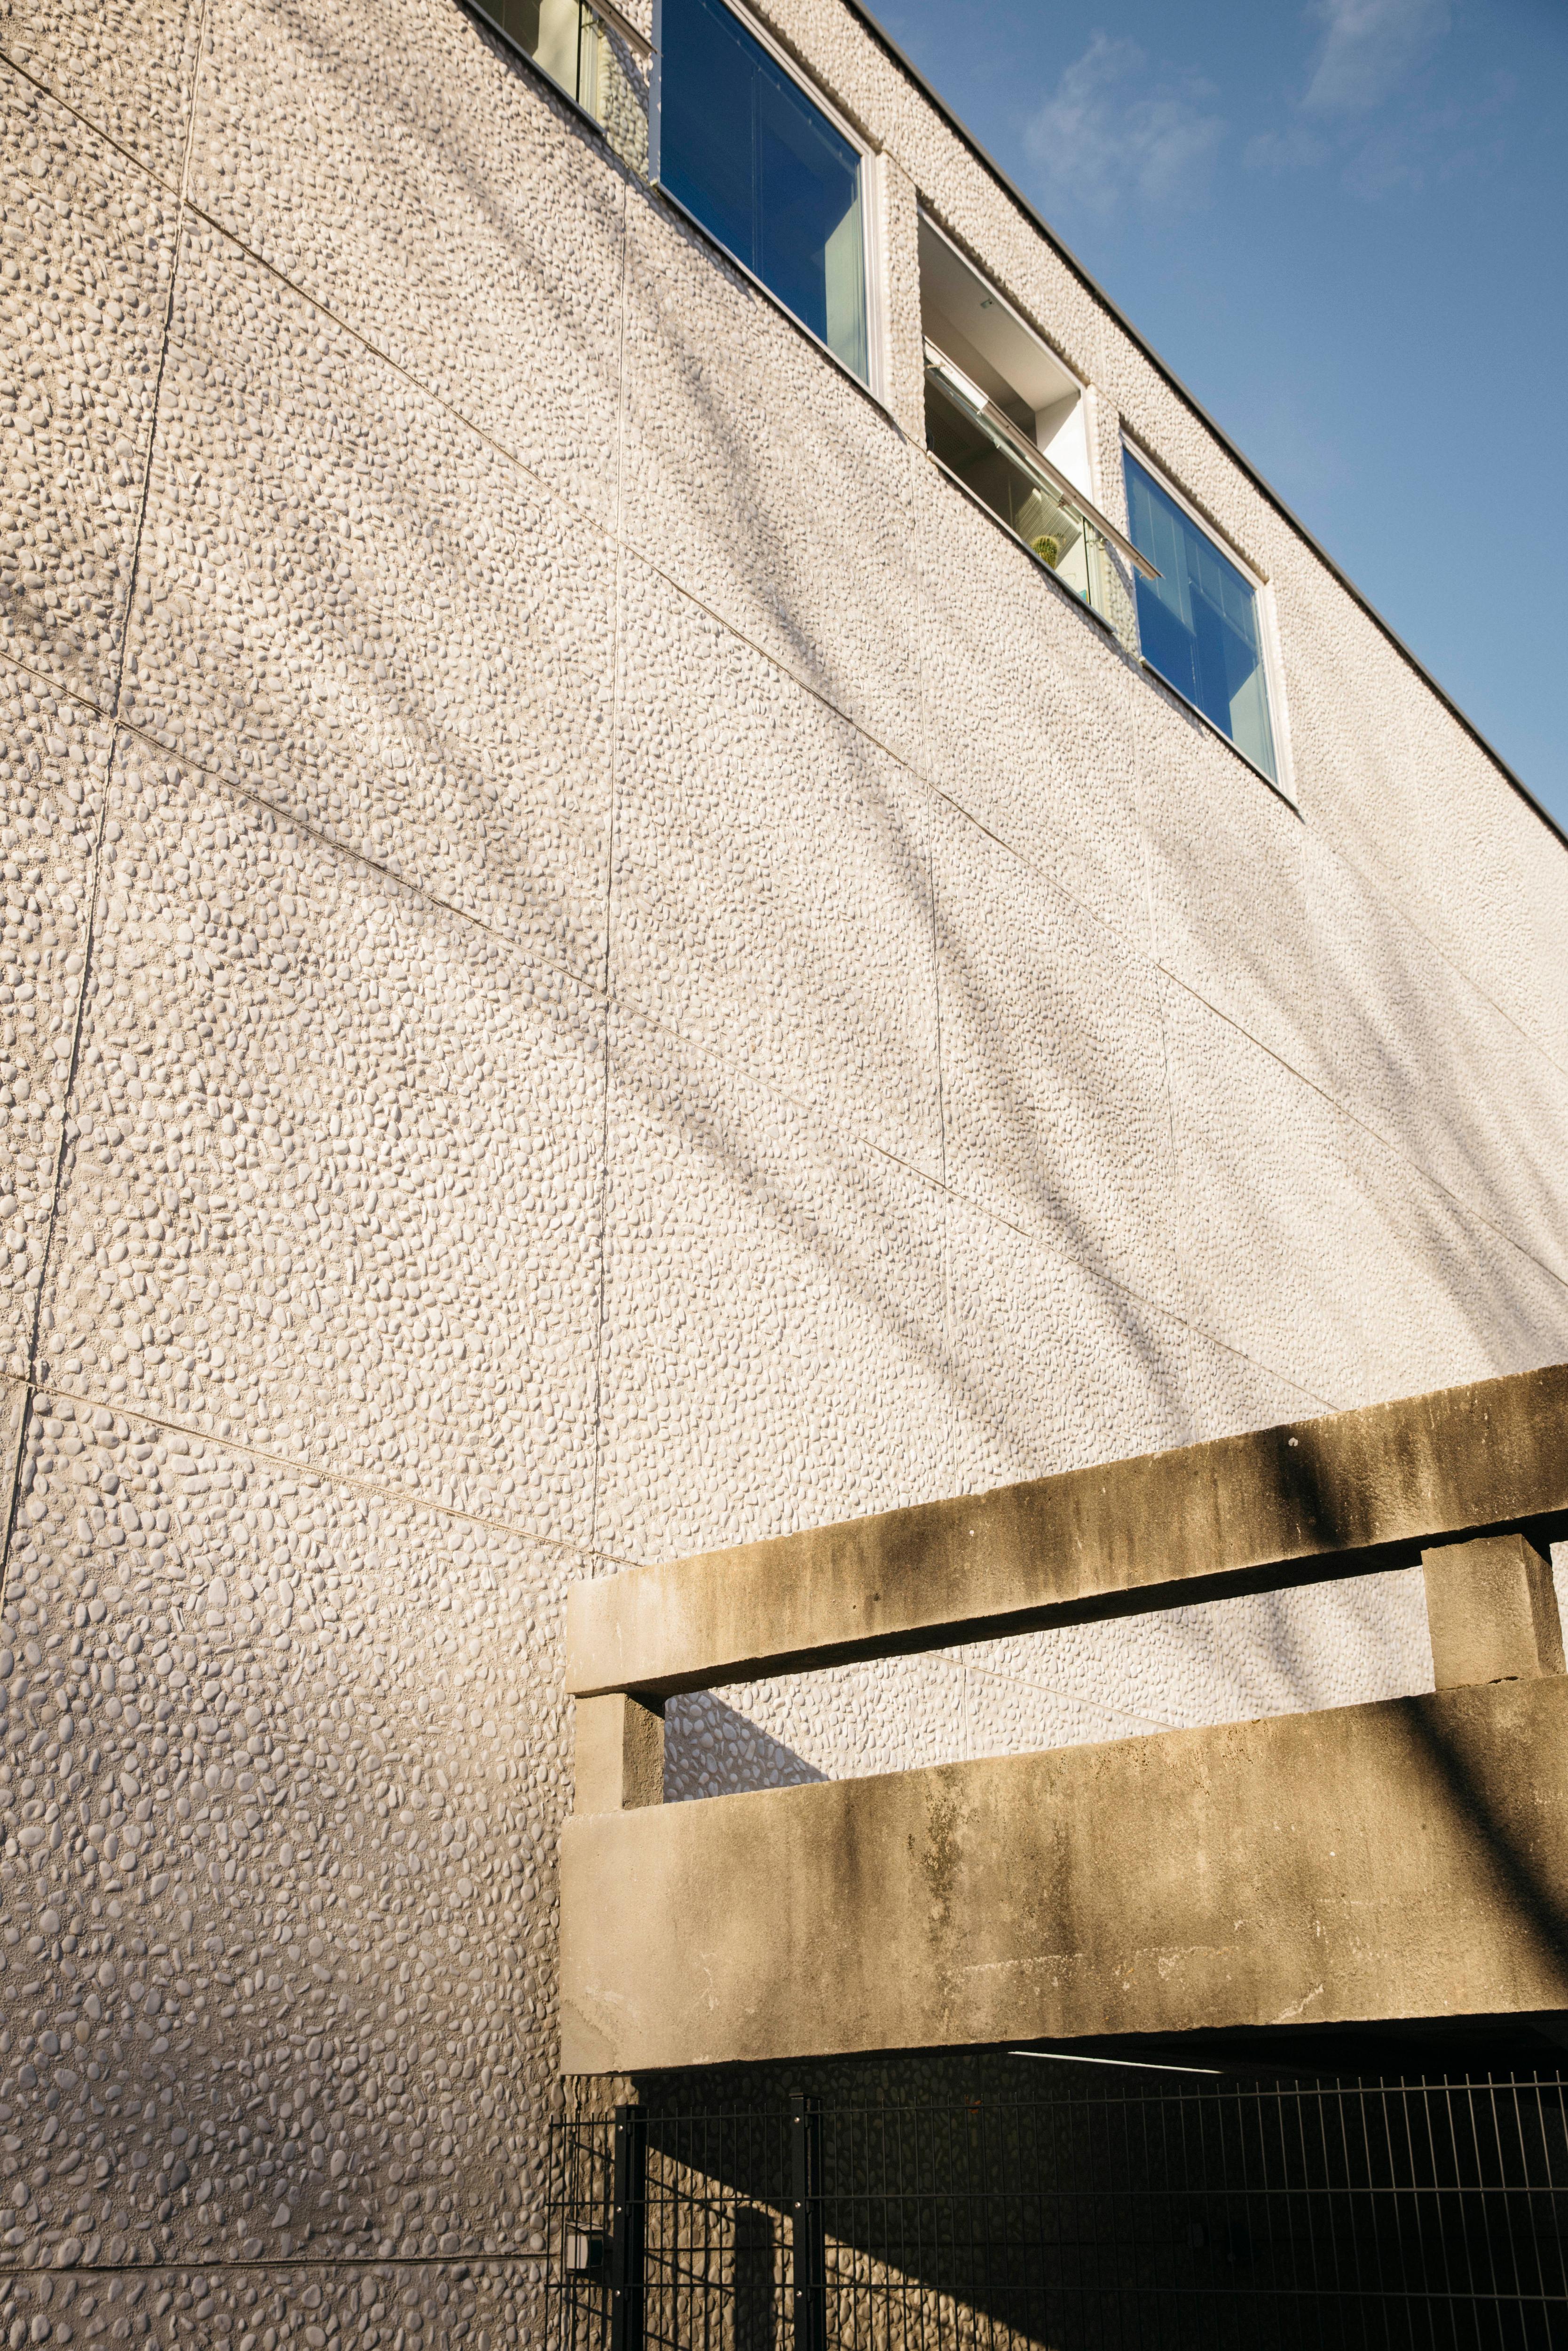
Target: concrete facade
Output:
{"points": [[1405, 1859], [598, 966]]}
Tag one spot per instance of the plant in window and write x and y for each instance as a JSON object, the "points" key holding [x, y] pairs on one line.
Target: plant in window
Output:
{"points": [[1048, 549]]}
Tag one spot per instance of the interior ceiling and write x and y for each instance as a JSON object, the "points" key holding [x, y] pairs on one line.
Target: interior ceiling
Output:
{"points": [[951, 292]]}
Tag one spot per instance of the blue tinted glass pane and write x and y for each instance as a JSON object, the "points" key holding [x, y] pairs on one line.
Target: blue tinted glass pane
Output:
{"points": [[743, 148], [1199, 620]]}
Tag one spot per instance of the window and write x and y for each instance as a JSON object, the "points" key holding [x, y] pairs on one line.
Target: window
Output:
{"points": [[764, 171], [1005, 419], [561, 36], [1201, 620]]}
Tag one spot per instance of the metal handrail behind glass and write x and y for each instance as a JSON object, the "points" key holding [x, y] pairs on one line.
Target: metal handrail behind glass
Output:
{"points": [[998, 428], [1021, 496], [609, 16]]}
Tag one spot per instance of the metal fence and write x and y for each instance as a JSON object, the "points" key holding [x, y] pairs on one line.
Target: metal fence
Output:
{"points": [[1153, 2214]]}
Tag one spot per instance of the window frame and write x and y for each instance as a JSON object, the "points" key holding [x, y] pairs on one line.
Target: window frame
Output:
{"points": [[542, 74], [874, 381], [1284, 784], [998, 294], [1088, 503]]}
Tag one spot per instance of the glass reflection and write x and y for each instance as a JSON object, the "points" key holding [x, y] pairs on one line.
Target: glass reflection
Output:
{"points": [[562, 37], [1024, 497], [742, 147], [1199, 620]]}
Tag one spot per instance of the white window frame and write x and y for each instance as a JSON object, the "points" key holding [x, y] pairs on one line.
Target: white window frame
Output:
{"points": [[1267, 633], [1093, 488], [608, 17], [875, 381]]}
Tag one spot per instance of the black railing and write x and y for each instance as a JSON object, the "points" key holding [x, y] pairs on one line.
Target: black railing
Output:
{"points": [[1329, 2214]]}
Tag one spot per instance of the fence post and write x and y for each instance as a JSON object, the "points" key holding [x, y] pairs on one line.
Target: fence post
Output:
{"points": [[629, 2227], [807, 2236]]}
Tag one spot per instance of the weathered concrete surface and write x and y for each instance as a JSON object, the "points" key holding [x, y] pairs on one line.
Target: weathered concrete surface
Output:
{"points": [[1403, 1860], [618, 1754], [1342, 1494], [1492, 1610]]}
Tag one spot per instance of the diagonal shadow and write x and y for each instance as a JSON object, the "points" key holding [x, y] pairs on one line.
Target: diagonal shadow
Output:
{"points": [[1491, 1808], [712, 1749]]}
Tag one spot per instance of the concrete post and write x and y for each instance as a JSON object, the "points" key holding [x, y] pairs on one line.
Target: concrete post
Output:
{"points": [[619, 1763], [1491, 1607]]}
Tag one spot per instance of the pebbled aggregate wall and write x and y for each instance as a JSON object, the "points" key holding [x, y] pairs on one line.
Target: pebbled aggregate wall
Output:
{"points": [[595, 965]]}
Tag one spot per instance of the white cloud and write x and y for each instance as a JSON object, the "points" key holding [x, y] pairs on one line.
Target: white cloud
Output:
{"points": [[1284, 150], [1104, 134], [1369, 47]]}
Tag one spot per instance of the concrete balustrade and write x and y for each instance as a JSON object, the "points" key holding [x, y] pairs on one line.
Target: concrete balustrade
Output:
{"points": [[1401, 1859], [1312, 1500]]}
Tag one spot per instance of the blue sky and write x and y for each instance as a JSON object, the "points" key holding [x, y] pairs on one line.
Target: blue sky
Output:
{"points": [[1346, 226]]}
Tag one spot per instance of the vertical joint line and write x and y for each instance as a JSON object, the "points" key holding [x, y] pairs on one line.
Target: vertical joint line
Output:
{"points": [[79, 1012], [14, 1484], [616, 665]]}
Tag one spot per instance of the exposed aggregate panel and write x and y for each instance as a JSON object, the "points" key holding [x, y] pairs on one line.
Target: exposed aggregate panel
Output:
{"points": [[772, 1345], [284, 1763], [488, 2306], [1054, 1066], [1394, 749], [1273, 1237], [849, 1722], [765, 481], [334, 1183], [87, 241], [882, 1717], [1453, 1086], [1390, 779], [391, 158], [13, 1414], [772, 881], [127, 65], [1029, 728], [54, 761], [357, 607], [1542, 1012], [1468, 862], [1052, 1364], [1273, 1653], [1230, 1392], [1443, 1296], [994, 1076], [1236, 883]]}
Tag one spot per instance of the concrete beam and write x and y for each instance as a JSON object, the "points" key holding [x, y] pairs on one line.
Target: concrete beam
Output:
{"points": [[1316, 1499], [1407, 1859], [1491, 1610]]}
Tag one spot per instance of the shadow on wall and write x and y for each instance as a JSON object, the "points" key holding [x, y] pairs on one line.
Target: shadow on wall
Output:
{"points": [[712, 1750], [1063, 2213], [1428, 1140], [1055, 1154]]}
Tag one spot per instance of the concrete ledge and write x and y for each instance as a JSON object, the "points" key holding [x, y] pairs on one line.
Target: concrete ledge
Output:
{"points": [[1344, 1494], [1408, 1859]]}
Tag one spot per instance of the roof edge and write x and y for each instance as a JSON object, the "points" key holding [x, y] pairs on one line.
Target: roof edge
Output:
{"points": [[1195, 406]]}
